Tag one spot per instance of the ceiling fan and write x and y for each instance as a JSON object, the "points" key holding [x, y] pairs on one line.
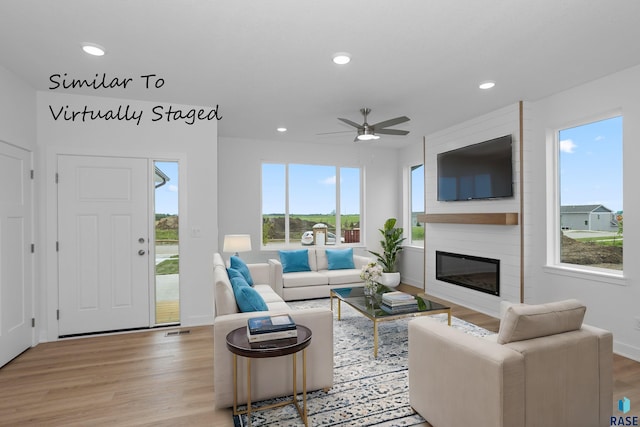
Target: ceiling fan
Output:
{"points": [[367, 132]]}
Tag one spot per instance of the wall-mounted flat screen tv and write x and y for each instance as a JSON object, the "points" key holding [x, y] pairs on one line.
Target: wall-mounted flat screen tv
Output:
{"points": [[478, 171]]}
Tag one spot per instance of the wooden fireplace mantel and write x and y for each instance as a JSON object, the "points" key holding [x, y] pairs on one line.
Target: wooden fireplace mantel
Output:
{"points": [[501, 218]]}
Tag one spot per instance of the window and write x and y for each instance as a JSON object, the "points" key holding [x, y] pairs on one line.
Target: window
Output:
{"points": [[590, 189], [417, 205], [297, 197]]}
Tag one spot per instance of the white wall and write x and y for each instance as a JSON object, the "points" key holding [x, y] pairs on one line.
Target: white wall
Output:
{"points": [[613, 303], [17, 111], [240, 189], [489, 241], [194, 146]]}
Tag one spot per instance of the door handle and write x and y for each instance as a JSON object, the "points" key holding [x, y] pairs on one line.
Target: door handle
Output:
{"points": [[141, 252]]}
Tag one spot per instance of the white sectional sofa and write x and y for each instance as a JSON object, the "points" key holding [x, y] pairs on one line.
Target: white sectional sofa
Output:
{"points": [[319, 279], [271, 377]]}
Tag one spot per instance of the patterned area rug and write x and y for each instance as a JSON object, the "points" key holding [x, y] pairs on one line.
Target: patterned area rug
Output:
{"points": [[366, 391]]}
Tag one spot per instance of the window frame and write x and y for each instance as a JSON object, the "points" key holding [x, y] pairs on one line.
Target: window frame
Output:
{"points": [[554, 232], [287, 242], [409, 203]]}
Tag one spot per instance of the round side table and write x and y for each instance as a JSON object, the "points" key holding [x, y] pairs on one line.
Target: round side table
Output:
{"points": [[238, 344]]}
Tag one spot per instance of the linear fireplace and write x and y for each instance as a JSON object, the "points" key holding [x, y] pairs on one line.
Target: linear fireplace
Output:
{"points": [[481, 274]]}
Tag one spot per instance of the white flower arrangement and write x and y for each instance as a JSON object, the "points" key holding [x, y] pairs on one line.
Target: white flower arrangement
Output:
{"points": [[370, 273]]}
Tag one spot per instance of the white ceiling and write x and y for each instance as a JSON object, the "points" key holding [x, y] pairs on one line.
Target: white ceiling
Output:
{"points": [[268, 63]]}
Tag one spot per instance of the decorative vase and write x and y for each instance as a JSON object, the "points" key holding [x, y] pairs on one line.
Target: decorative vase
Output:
{"points": [[390, 280]]}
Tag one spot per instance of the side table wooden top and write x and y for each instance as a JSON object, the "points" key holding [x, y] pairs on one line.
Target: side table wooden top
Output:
{"points": [[238, 343]]}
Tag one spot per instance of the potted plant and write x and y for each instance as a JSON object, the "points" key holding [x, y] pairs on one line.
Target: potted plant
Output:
{"points": [[391, 246]]}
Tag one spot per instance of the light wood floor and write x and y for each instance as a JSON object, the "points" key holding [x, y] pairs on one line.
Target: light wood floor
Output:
{"points": [[149, 378]]}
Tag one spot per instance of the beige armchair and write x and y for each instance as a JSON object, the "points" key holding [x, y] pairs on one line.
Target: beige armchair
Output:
{"points": [[544, 369]]}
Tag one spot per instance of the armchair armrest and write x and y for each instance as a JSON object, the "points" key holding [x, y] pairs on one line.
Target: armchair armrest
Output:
{"points": [[456, 379], [276, 276]]}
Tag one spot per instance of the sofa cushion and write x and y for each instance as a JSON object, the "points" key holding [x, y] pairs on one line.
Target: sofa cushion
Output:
{"points": [[523, 321], [306, 278], [294, 261], [321, 259], [225, 300], [339, 259], [237, 264], [343, 277], [267, 293], [247, 298]]}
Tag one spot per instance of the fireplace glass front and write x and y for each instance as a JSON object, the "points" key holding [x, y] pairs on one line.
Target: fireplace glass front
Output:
{"points": [[480, 274]]}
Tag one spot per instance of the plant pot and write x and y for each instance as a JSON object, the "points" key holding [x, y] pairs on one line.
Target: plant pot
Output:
{"points": [[390, 280]]}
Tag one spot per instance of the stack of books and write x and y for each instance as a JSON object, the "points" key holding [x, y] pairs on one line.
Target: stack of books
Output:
{"points": [[398, 302], [268, 328]]}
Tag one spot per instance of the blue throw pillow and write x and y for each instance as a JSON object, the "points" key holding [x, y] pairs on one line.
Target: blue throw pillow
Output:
{"points": [[293, 261], [232, 272], [340, 259], [238, 264], [247, 298]]}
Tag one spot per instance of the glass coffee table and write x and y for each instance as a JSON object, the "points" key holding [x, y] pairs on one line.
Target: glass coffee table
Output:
{"points": [[369, 306]]}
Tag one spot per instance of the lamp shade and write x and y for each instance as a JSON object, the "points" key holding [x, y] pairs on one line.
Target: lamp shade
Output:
{"points": [[237, 243]]}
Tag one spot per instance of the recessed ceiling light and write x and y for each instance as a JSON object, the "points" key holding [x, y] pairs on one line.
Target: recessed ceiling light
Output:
{"points": [[341, 58], [487, 85], [281, 129], [93, 49]]}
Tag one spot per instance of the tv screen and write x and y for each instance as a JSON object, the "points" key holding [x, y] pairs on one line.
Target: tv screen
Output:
{"points": [[478, 171]]}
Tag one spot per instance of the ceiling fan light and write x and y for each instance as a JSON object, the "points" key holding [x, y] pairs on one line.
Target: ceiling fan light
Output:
{"points": [[367, 137]]}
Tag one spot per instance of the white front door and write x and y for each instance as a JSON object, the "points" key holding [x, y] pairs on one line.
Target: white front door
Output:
{"points": [[103, 242], [16, 302]]}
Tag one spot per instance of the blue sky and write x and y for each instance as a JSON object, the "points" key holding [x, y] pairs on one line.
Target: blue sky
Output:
{"points": [[167, 195], [312, 189], [591, 164]]}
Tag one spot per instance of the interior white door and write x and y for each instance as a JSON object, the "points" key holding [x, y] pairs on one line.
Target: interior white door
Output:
{"points": [[16, 302], [103, 244]]}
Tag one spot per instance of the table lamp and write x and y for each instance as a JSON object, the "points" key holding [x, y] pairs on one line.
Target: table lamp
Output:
{"points": [[236, 243]]}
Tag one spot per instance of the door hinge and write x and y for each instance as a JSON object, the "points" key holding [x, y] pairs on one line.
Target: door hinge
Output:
{"points": [[33, 322], [57, 246], [33, 248], [56, 177], [58, 314], [32, 173]]}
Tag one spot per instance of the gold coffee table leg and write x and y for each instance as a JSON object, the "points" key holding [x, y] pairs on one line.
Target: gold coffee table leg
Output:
{"points": [[375, 338]]}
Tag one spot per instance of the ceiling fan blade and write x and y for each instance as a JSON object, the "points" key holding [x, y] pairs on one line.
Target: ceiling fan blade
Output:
{"points": [[391, 131], [390, 122], [332, 133], [352, 123]]}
